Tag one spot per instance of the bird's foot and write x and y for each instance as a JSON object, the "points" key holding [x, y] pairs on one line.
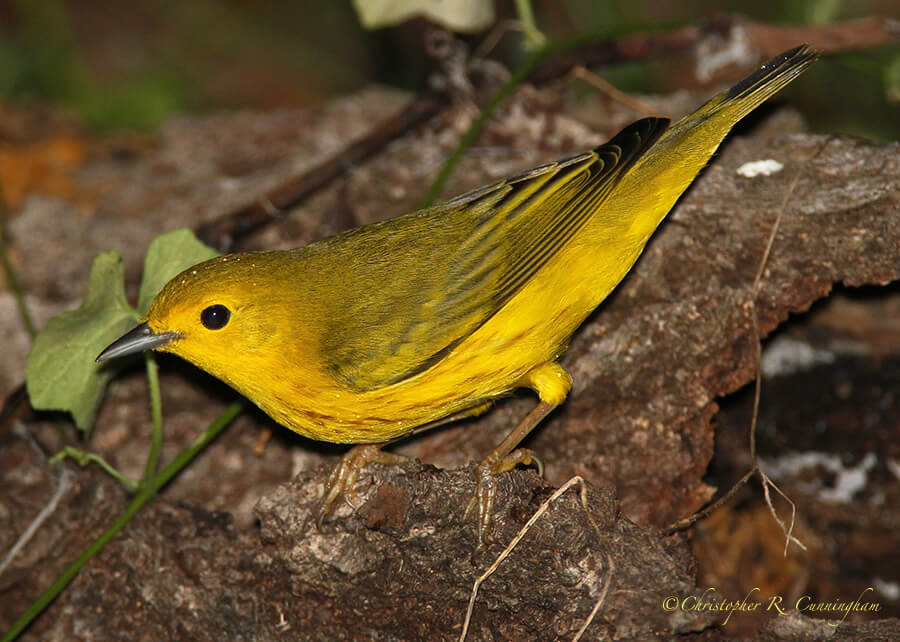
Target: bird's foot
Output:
{"points": [[344, 475], [486, 490]]}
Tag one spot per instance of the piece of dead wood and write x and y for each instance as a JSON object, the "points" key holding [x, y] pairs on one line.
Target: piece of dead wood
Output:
{"points": [[400, 566], [648, 368]]}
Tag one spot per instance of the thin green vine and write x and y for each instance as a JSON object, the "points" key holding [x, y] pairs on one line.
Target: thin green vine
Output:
{"points": [[472, 134], [156, 434], [83, 458], [145, 493]]}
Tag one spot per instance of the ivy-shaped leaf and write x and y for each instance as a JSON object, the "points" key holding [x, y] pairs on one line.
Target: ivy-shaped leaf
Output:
{"points": [[60, 372]]}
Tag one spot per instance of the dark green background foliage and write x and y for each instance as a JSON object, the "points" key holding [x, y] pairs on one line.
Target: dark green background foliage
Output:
{"points": [[134, 64]]}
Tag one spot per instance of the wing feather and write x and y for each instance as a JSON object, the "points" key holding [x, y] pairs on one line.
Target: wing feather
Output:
{"points": [[433, 277]]}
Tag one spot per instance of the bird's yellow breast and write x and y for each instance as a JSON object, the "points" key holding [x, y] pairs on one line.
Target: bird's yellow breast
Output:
{"points": [[533, 328]]}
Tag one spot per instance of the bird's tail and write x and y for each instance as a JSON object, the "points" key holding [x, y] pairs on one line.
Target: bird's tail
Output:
{"points": [[658, 178], [735, 103]]}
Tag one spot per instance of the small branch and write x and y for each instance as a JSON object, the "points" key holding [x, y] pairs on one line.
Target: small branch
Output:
{"points": [[764, 39], [543, 508], [608, 51], [709, 509], [788, 530], [224, 232], [83, 458], [614, 93], [65, 478], [839, 37]]}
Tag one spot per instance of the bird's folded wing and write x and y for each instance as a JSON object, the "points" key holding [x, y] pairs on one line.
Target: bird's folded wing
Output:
{"points": [[428, 280]]}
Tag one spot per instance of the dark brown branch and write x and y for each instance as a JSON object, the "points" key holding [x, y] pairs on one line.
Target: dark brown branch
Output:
{"points": [[14, 406], [765, 39], [863, 33], [225, 231]]}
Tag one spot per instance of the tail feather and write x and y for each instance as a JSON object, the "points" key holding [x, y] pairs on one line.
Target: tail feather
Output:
{"points": [[658, 178], [752, 91]]}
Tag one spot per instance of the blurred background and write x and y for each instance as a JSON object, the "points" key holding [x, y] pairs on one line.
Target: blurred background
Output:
{"points": [[111, 65], [99, 78]]}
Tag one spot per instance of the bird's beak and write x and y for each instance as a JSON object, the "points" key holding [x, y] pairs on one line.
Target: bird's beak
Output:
{"points": [[137, 340]]}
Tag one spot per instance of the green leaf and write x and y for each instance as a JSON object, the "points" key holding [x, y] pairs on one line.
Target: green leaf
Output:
{"points": [[167, 256], [60, 372]]}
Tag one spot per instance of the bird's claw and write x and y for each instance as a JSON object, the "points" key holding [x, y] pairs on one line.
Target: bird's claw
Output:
{"points": [[485, 493], [344, 475]]}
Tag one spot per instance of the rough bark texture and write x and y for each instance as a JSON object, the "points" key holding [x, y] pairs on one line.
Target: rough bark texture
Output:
{"points": [[649, 367]]}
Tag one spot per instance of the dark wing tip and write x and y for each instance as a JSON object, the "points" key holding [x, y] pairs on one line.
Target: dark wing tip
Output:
{"points": [[631, 143], [798, 57], [639, 134]]}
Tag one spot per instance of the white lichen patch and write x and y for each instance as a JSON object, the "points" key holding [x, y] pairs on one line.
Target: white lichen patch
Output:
{"points": [[891, 590], [848, 480], [765, 167], [785, 355]]}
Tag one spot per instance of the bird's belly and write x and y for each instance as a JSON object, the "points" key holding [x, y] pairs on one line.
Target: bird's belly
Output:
{"points": [[485, 369], [488, 364], [533, 328]]}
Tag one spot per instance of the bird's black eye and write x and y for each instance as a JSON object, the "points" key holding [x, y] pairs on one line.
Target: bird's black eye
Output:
{"points": [[215, 317]]}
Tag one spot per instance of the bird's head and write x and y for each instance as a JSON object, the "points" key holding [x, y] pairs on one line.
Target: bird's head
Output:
{"points": [[228, 315]]}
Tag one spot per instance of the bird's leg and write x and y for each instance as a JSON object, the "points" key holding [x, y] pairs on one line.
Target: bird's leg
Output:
{"points": [[345, 473], [501, 459], [552, 383], [354, 460]]}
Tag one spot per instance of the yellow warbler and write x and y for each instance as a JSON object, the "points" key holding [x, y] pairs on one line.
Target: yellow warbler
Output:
{"points": [[395, 327]]}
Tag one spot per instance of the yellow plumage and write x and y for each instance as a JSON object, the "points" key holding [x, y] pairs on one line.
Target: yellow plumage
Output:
{"points": [[372, 334]]}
